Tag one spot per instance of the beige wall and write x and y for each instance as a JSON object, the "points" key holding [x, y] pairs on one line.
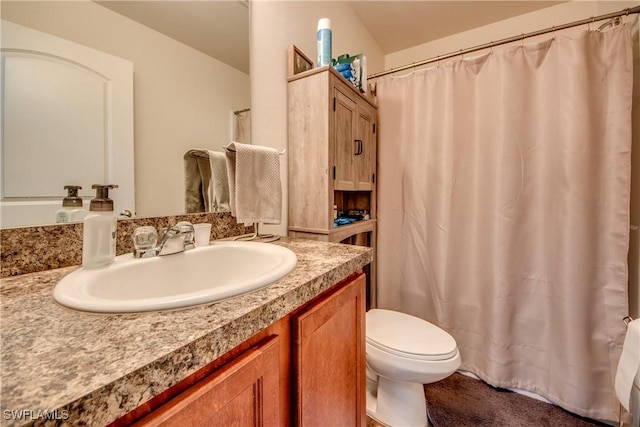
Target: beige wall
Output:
{"points": [[547, 18], [275, 25], [182, 97]]}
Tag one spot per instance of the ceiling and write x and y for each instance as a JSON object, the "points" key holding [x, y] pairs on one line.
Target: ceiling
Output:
{"points": [[198, 23], [428, 20], [217, 28]]}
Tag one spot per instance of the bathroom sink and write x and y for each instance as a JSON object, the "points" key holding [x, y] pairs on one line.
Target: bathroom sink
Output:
{"points": [[198, 276]]}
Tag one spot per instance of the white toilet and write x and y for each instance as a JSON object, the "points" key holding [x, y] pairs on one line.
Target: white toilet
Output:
{"points": [[403, 353]]}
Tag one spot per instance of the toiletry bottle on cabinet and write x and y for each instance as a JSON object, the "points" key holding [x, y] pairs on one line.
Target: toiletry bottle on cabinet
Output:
{"points": [[324, 42], [99, 234]]}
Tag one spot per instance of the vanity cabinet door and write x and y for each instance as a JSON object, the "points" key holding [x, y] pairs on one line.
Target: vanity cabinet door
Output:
{"points": [[329, 359], [243, 393]]}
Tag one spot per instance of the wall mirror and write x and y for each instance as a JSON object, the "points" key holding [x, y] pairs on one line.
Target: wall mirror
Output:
{"points": [[191, 90]]}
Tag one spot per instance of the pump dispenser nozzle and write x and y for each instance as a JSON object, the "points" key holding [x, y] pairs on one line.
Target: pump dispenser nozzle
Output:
{"points": [[102, 202], [72, 200], [72, 209]]}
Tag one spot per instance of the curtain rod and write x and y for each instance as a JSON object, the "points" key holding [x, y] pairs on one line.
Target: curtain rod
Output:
{"points": [[523, 36]]}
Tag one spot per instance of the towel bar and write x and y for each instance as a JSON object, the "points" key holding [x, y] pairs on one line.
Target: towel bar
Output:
{"points": [[256, 235], [233, 151], [200, 153]]}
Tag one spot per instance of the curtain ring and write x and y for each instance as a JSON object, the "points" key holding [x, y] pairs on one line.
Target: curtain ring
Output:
{"points": [[491, 47], [553, 31], [461, 55], [522, 40], [589, 23], [438, 61]]}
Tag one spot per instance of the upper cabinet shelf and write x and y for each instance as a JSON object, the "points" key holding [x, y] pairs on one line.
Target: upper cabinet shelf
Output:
{"points": [[365, 96]]}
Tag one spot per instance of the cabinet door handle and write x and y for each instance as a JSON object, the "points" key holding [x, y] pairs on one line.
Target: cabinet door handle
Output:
{"points": [[358, 147]]}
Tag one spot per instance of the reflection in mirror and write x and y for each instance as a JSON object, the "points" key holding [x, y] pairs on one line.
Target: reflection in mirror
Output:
{"points": [[67, 116], [183, 97], [206, 182]]}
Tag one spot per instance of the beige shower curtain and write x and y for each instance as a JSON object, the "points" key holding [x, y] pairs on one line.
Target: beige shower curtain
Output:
{"points": [[504, 211]]}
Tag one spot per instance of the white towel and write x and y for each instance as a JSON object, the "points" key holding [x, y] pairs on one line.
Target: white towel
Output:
{"points": [[255, 190], [629, 363], [219, 185]]}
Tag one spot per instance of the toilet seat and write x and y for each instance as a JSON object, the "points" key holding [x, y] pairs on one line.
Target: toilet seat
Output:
{"points": [[407, 336]]}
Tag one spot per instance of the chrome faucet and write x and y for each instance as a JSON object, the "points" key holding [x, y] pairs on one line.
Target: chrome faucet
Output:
{"points": [[179, 238]]}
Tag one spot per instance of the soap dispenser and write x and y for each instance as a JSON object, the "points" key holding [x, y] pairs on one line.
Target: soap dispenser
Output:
{"points": [[72, 209], [99, 234]]}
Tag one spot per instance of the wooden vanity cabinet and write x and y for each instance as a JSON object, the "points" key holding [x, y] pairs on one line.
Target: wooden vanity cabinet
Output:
{"points": [[329, 360], [244, 393], [307, 369]]}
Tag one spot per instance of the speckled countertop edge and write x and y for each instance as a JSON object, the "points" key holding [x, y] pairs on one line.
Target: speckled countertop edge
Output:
{"points": [[94, 368]]}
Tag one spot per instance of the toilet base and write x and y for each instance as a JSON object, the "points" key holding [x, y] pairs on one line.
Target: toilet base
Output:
{"points": [[396, 403]]}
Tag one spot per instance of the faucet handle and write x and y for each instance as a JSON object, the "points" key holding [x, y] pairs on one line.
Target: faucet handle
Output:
{"points": [[183, 226], [186, 228], [144, 240]]}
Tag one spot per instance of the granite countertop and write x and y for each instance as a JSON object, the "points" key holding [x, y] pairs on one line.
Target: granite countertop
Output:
{"points": [[90, 369]]}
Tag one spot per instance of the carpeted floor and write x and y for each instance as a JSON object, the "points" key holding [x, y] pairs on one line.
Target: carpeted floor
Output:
{"points": [[461, 401]]}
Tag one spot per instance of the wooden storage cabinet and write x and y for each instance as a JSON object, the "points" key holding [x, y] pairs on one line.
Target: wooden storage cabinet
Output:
{"points": [[307, 369], [332, 160], [331, 152]]}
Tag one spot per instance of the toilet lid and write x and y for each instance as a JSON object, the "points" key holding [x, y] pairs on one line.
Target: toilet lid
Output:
{"points": [[408, 336]]}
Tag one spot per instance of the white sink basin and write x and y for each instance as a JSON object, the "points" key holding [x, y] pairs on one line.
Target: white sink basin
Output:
{"points": [[198, 276]]}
